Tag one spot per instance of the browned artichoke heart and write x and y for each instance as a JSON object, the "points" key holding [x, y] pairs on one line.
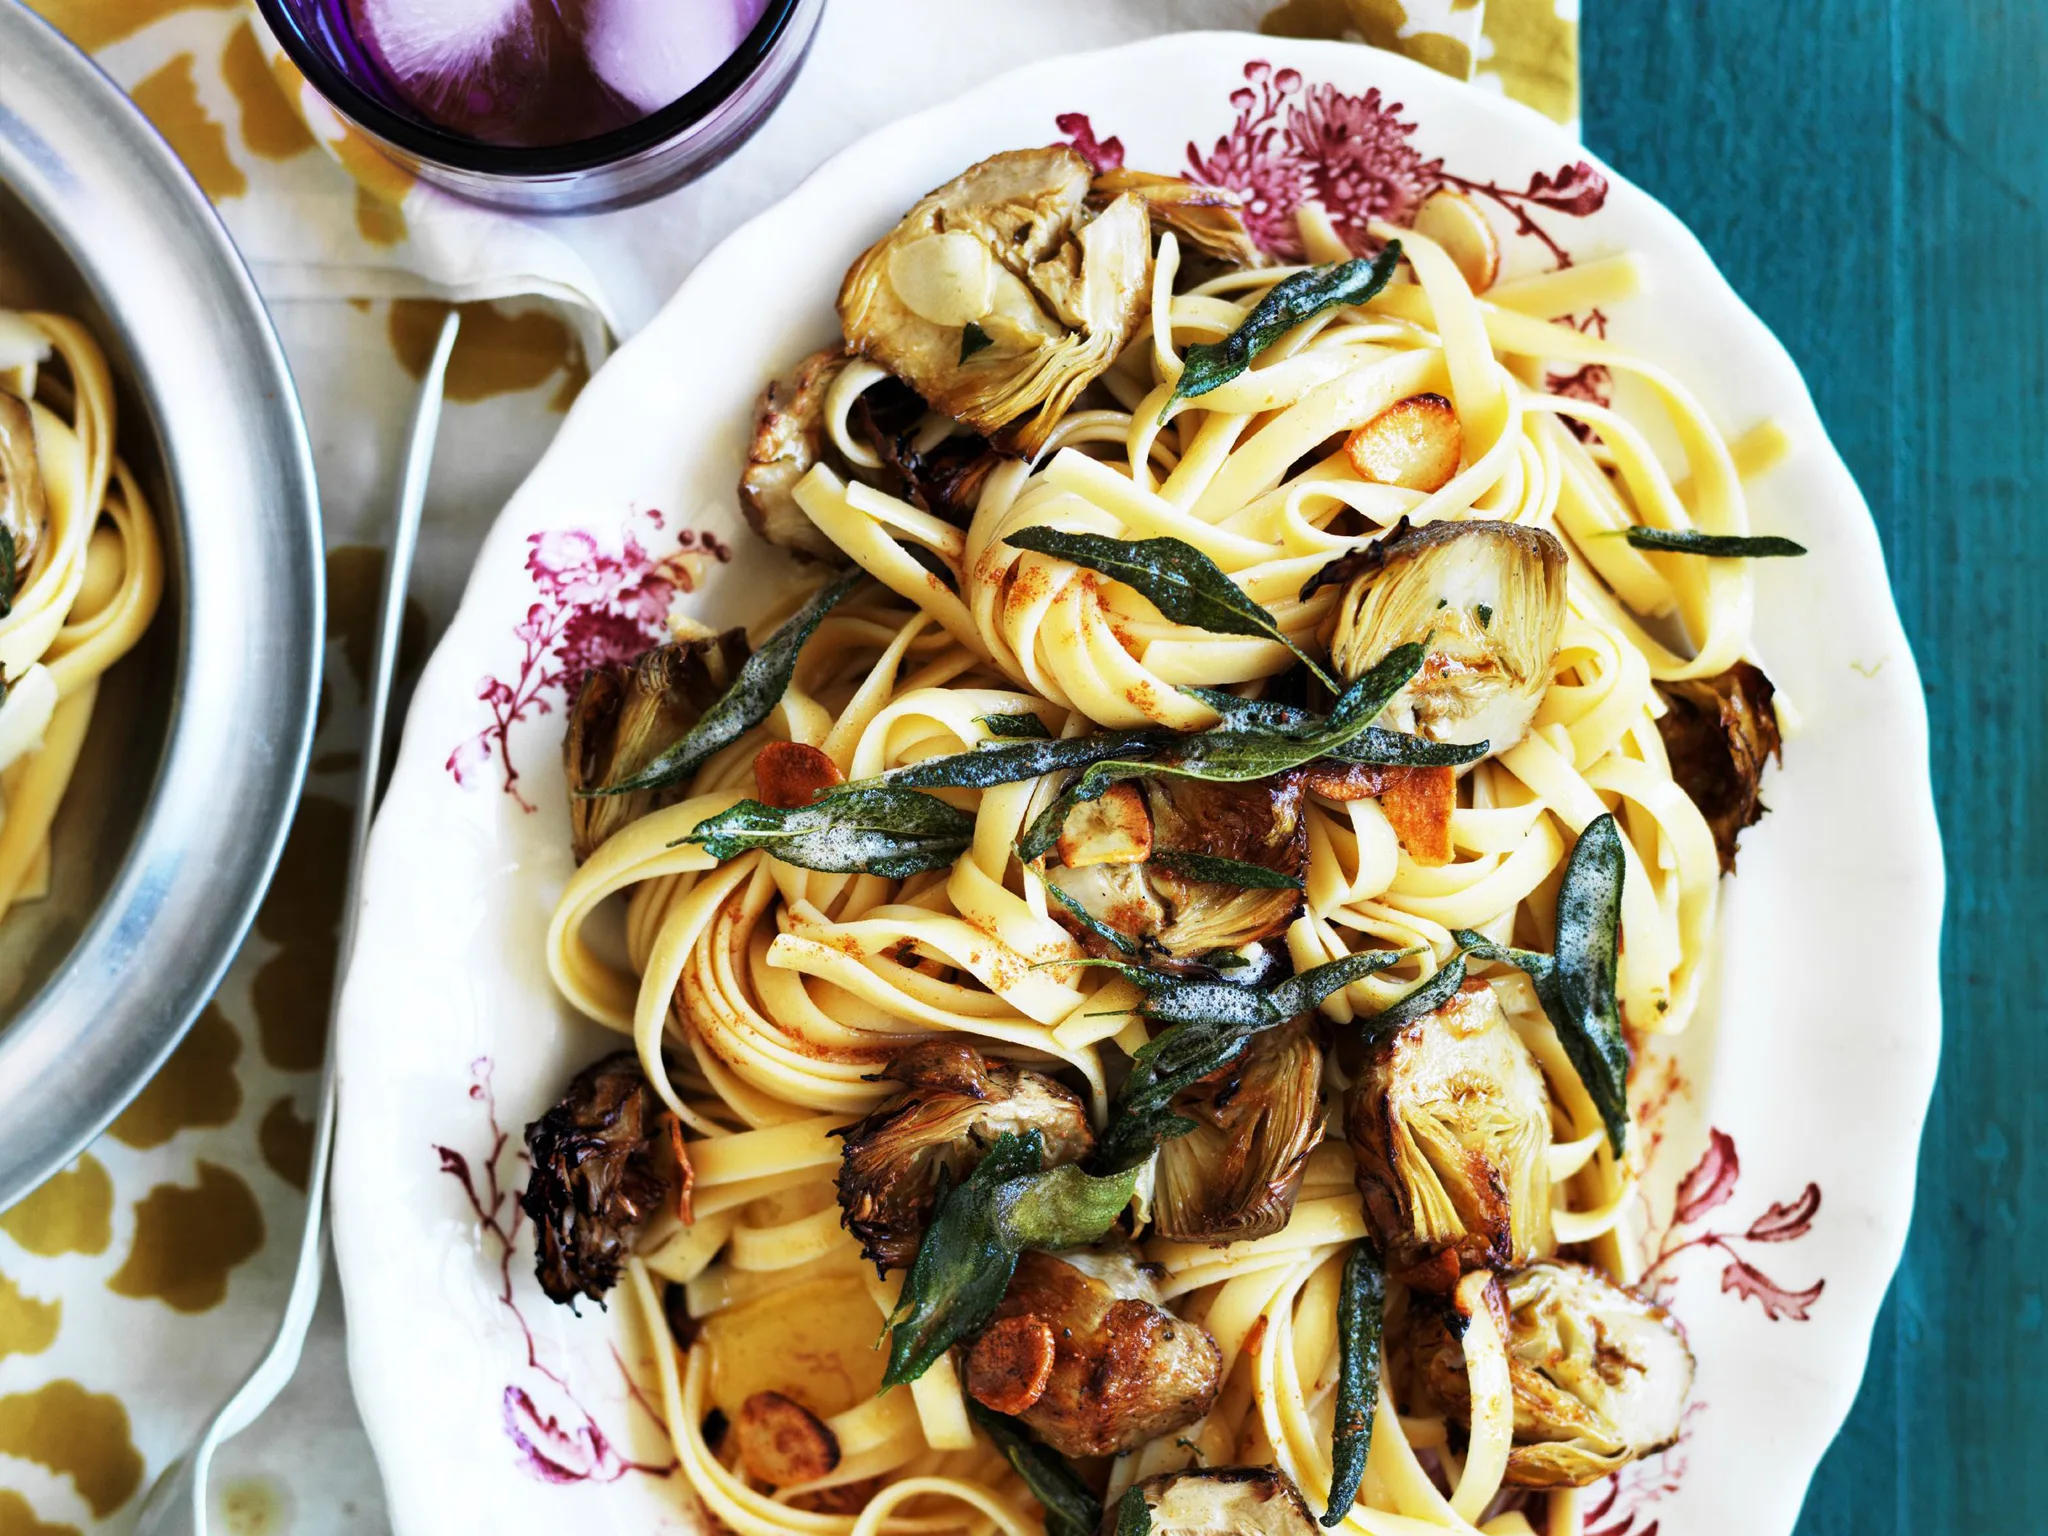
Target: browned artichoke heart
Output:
{"points": [[955, 1103], [1104, 1367], [23, 511], [1160, 910], [1450, 1124], [1600, 1376], [1210, 220], [1487, 598], [605, 1158], [1718, 732], [1222, 1501], [1235, 1175], [626, 715], [1007, 247], [789, 438]]}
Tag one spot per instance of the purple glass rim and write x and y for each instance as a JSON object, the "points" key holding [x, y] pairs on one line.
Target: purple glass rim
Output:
{"points": [[436, 145]]}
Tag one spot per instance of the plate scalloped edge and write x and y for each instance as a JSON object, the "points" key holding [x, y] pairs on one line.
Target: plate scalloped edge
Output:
{"points": [[483, 1401]]}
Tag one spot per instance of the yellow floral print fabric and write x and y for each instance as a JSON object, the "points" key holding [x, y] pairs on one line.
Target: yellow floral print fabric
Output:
{"points": [[139, 1283]]}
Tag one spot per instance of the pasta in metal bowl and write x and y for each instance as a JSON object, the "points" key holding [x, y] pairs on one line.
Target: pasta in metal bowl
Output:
{"points": [[81, 573]]}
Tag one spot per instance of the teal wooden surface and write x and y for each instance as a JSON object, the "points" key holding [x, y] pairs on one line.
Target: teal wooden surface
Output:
{"points": [[1870, 175]]}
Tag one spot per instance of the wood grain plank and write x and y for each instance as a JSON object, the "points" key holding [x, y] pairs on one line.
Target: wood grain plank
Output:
{"points": [[1870, 175]]}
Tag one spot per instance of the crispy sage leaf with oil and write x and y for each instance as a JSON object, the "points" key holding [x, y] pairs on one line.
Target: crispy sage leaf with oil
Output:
{"points": [[1174, 577], [754, 693], [1286, 304], [1361, 1310], [1232, 754], [880, 830], [1576, 984], [1133, 1513], [1375, 745], [963, 1266], [1419, 1003], [1008, 762], [1190, 865], [1714, 546], [1024, 727], [1071, 1508], [7, 555]]}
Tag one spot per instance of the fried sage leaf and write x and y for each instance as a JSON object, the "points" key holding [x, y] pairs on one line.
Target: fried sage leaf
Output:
{"points": [[1071, 1508], [1361, 1308], [1286, 304], [6, 571], [1024, 727], [1205, 866], [1133, 1514], [752, 697], [963, 1266], [1174, 577], [880, 830], [1375, 745], [1008, 762], [1231, 755], [1714, 546], [1576, 984]]}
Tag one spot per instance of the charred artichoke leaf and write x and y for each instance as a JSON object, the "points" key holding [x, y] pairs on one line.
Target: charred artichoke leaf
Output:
{"points": [[1006, 246], [1488, 600], [1165, 909], [1450, 1124], [1718, 733], [789, 436], [1208, 219], [1216, 1501], [943, 477], [605, 1158], [24, 513], [627, 715], [955, 1103], [1600, 1376], [1124, 1369], [1234, 1175]]}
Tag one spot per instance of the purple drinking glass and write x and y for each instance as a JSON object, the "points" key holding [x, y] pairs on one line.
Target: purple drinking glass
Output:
{"points": [[573, 107]]}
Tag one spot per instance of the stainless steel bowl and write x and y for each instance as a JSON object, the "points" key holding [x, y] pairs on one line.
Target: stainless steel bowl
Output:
{"points": [[198, 744]]}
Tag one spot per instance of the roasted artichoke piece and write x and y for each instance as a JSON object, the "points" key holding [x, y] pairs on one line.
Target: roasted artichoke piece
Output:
{"points": [[1718, 732], [1006, 247], [1209, 220], [1122, 1370], [1488, 598], [1600, 1376], [626, 715], [23, 512], [1222, 1501], [1235, 1175], [605, 1158], [789, 437], [955, 1103], [1450, 1124], [1162, 912]]}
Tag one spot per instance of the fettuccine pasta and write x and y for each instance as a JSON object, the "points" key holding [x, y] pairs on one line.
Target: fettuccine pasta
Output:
{"points": [[86, 572], [770, 998]]}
